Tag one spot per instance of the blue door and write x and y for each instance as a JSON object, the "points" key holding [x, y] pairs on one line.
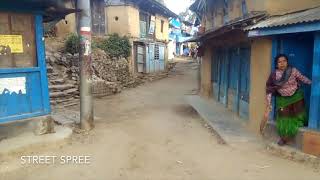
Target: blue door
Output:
{"points": [[151, 58], [162, 57], [231, 76], [234, 78], [23, 78], [299, 49], [244, 83], [215, 75], [220, 67], [224, 78]]}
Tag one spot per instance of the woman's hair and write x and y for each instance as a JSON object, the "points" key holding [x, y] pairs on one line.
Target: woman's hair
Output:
{"points": [[280, 56]]}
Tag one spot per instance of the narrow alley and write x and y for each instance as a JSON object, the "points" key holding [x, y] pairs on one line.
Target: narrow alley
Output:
{"points": [[150, 133]]}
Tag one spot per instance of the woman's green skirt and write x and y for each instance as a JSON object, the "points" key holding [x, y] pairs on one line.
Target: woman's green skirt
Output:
{"points": [[291, 114]]}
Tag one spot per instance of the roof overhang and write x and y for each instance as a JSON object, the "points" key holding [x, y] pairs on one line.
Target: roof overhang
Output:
{"points": [[296, 28], [307, 20], [235, 25], [50, 9]]}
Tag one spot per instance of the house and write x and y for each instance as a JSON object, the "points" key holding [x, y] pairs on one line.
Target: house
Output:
{"points": [[23, 76], [145, 22], [240, 40], [179, 32], [69, 24], [147, 25]]}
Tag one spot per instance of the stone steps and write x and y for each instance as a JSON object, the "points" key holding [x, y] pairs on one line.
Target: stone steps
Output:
{"points": [[72, 91], [57, 81], [62, 87]]}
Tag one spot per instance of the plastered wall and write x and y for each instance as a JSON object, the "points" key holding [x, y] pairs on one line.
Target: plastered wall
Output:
{"points": [[261, 52], [162, 36], [206, 87], [123, 20]]}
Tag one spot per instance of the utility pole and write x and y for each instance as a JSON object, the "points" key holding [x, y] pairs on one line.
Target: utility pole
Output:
{"points": [[84, 31]]}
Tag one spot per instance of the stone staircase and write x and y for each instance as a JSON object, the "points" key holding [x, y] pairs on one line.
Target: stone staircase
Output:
{"points": [[63, 92]]}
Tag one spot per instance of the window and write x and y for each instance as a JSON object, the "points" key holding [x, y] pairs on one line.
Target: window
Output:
{"points": [[156, 52], [162, 26], [144, 24], [17, 41]]}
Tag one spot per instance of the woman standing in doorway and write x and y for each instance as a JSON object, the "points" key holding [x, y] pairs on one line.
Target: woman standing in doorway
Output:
{"points": [[284, 83]]}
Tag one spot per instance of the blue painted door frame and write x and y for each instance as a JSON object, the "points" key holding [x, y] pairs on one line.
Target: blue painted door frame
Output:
{"points": [[36, 100], [314, 116], [309, 66]]}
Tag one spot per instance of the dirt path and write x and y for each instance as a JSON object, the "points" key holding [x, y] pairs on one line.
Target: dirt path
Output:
{"points": [[148, 133]]}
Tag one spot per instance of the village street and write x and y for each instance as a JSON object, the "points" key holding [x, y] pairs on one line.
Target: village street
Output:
{"points": [[149, 133]]}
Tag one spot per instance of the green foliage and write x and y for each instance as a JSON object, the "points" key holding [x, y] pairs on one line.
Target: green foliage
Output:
{"points": [[72, 44], [116, 46]]}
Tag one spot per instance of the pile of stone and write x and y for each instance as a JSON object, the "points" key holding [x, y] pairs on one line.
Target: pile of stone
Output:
{"points": [[112, 70], [110, 76]]}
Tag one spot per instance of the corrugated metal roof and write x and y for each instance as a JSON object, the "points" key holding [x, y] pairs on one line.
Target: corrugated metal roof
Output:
{"points": [[309, 15]]}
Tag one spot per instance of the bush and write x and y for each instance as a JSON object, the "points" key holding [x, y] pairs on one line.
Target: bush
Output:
{"points": [[116, 46], [72, 44]]}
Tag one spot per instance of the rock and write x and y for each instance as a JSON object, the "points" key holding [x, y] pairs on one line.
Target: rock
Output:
{"points": [[44, 126], [57, 55], [61, 87], [58, 81], [57, 94]]}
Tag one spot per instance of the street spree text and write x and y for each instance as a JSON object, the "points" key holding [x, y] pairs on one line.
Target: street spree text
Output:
{"points": [[46, 160]]}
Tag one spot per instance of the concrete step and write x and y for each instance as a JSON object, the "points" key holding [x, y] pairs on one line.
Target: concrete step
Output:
{"points": [[57, 81], [52, 74], [72, 91], [71, 104], [58, 95], [61, 87], [65, 100]]}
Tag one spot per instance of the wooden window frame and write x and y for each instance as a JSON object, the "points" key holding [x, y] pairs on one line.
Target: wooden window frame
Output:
{"points": [[162, 25], [12, 58]]}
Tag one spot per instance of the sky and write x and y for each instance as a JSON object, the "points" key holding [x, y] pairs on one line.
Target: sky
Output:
{"points": [[178, 6]]}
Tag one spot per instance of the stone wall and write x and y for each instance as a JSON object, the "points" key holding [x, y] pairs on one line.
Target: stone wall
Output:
{"points": [[110, 76]]}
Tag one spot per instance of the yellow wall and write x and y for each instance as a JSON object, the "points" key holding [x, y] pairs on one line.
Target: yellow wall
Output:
{"points": [[235, 9], [255, 5], [206, 87], [159, 35], [261, 51], [214, 15], [128, 20], [67, 26], [284, 6]]}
